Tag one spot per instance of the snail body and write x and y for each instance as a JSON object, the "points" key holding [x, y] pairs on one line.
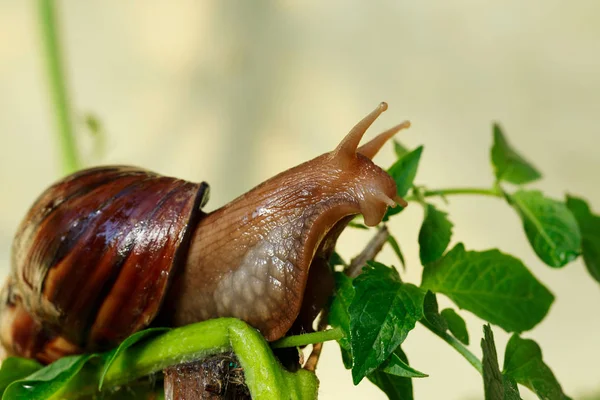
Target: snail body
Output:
{"points": [[108, 251]]}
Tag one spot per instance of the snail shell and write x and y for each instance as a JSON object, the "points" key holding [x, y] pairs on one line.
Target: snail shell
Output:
{"points": [[94, 255]]}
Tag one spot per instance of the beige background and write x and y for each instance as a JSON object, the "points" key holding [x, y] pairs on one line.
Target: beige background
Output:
{"points": [[233, 92]]}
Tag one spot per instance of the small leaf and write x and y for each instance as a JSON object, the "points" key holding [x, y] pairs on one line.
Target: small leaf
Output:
{"points": [[396, 247], [404, 171], [395, 387], [496, 385], [338, 311], [509, 166], [511, 390], [492, 377], [382, 313], [435, 235], [523, 362], [457, 325], [127, 343], [399, 149], [336, 259], [15, 368], [490, 284], [48, 381], [432, 314], [395, 365], [550, 227], [589, 226]]}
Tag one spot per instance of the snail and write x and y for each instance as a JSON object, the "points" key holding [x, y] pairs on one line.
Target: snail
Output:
{"points": [[111, 250]]}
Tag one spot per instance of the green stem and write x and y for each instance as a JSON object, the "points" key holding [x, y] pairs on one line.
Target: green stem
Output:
{"points": [[56, 77], [458, 346], [308, 338], [494, 192], [265, 377]]}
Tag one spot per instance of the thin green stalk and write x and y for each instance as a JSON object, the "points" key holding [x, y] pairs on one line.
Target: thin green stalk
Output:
{"points": [[58, 90], [494, 192], [458, 346], [308, 338]]}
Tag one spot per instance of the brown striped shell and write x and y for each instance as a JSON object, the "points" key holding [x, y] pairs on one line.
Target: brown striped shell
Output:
{"points": [[93, 259]]}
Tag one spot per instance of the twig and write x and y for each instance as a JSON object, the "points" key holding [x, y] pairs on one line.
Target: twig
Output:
{"points": [[373, 248], [353, 270]]}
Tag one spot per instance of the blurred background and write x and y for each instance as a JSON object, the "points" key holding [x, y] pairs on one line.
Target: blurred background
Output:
{"points": [[233, 92]]}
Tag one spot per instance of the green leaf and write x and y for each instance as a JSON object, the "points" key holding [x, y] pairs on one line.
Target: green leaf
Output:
{"points": [[523, 362], [15, 368], [492, 285], [336, 259], [49, 382], [550, 227], [508, 165], [492, 377], [399, 149], [338, 311], [589, 226], [395, 387], [404, 171], [127, 343], [382, 313], [432, 314], [395, 365], [396, 247], [456, 325], [434, 235], [496, 386]]}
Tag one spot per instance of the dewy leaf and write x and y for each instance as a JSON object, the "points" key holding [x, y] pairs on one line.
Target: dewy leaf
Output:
{"points": [[508, 165], [490, 284], [404, 171], [523, 362], [382, 313], [130, 341], [589, 226], [550, 227], [396, 247], [15, 368], [435, 235], [338, 311], [395, 387], [456, 324], [496, 385]]}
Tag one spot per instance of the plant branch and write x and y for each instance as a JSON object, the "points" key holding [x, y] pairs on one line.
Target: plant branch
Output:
{"points": [[58, 90], [493, 192], [370, 251], [458, 346], [308, 338]]}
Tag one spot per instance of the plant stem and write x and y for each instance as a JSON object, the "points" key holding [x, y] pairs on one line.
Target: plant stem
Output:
{"points": [[458, 346], [58, 91], [308, 338], [454, 191]]}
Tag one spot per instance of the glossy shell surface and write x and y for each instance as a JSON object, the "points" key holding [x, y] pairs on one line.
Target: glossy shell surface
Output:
{"points": [[95, 254]]}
